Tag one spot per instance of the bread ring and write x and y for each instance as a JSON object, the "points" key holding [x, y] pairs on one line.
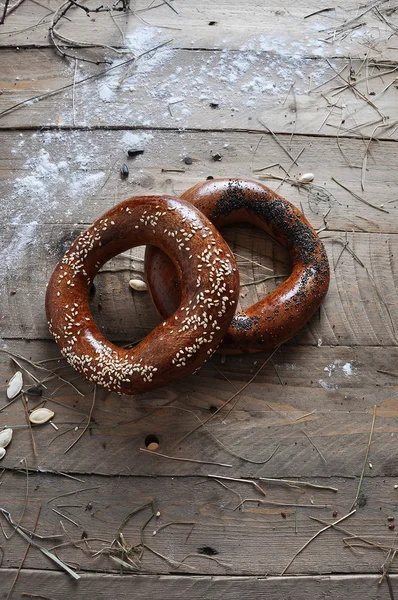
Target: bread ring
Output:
{"points": [[179, 345], [283, 312]]}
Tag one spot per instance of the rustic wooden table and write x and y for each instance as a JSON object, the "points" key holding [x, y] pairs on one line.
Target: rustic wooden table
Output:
{"points": [[275, 91]]}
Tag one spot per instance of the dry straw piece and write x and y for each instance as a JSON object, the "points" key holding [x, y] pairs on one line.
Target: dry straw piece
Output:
{"points": [[40, 416], [15, 385], [138, 285], [5, 438]]}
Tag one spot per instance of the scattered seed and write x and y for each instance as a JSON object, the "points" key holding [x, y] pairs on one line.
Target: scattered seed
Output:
{"points": [[209, 177], [188, 160], [153, 446], [212, 22], [158, 514], [124, 171], [334, 514], [12, 293], [2, 453], [5, 437], [306, 178], [283, 515], [214, 105], [217, 157], [133, 153], [391, 526], [39, 416], [390, 518], [34, 391], [54, 426], [138, 285], [15, 385]]}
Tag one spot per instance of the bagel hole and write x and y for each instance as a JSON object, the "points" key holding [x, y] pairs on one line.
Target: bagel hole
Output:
{"points": [[123, 315], [152, 442], [258, 257]]}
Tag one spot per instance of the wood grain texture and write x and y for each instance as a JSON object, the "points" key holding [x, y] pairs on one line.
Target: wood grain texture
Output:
{"points": [[326, 393], [173, 587], [236, 538], [360, 307], [254, 24], [308, 413], [203, 90], [74, 176]]}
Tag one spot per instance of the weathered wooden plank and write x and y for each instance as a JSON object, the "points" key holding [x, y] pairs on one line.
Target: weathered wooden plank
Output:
{"points": [[74, 176], [202, 90], [266, 26], [201, 515], [173, 587], [360, 308], [326, 393]]}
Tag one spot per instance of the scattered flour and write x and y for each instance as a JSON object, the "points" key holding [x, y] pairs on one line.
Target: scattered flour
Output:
{"points": [[182, 82], [39, 192], [330, 387], [339, 365], [59, 176]]}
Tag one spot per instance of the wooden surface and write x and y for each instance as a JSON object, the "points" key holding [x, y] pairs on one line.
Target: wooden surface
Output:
{"points": [[309, 413]]}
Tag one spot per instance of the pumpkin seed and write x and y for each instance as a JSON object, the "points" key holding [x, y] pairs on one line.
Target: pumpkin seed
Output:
{"points": [[5, 437], [14, 385], [40, 416], [2, 453], [306, 178], [138, 284]]}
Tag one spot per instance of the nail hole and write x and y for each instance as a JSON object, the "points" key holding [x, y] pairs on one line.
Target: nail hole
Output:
{"points": [[152, 442]]}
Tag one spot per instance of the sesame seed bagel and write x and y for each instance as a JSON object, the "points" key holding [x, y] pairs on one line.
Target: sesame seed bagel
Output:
{"points": [[179, 345], [282, 313]]}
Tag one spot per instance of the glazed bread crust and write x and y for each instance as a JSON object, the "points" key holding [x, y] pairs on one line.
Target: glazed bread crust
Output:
{"points": [[178, 346], [283, 312]]}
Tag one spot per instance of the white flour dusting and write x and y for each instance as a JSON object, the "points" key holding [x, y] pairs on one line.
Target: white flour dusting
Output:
{"points": [[338, 366], [54, 180], [183, 82], [330, 387]]}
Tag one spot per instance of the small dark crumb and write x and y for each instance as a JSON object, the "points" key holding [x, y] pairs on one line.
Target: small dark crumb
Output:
{"points": [[390, 518], [217, 157], [333, 326], [34, 391], [212, 22], [283, 515], [209, 177], [334, 513], [207, 550], [372, 93], [212, 409], [12, 293], [188, 160], [89, 506], [391, 526], [133, 153], [214, 105], [124, 171], [84, 535]]}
